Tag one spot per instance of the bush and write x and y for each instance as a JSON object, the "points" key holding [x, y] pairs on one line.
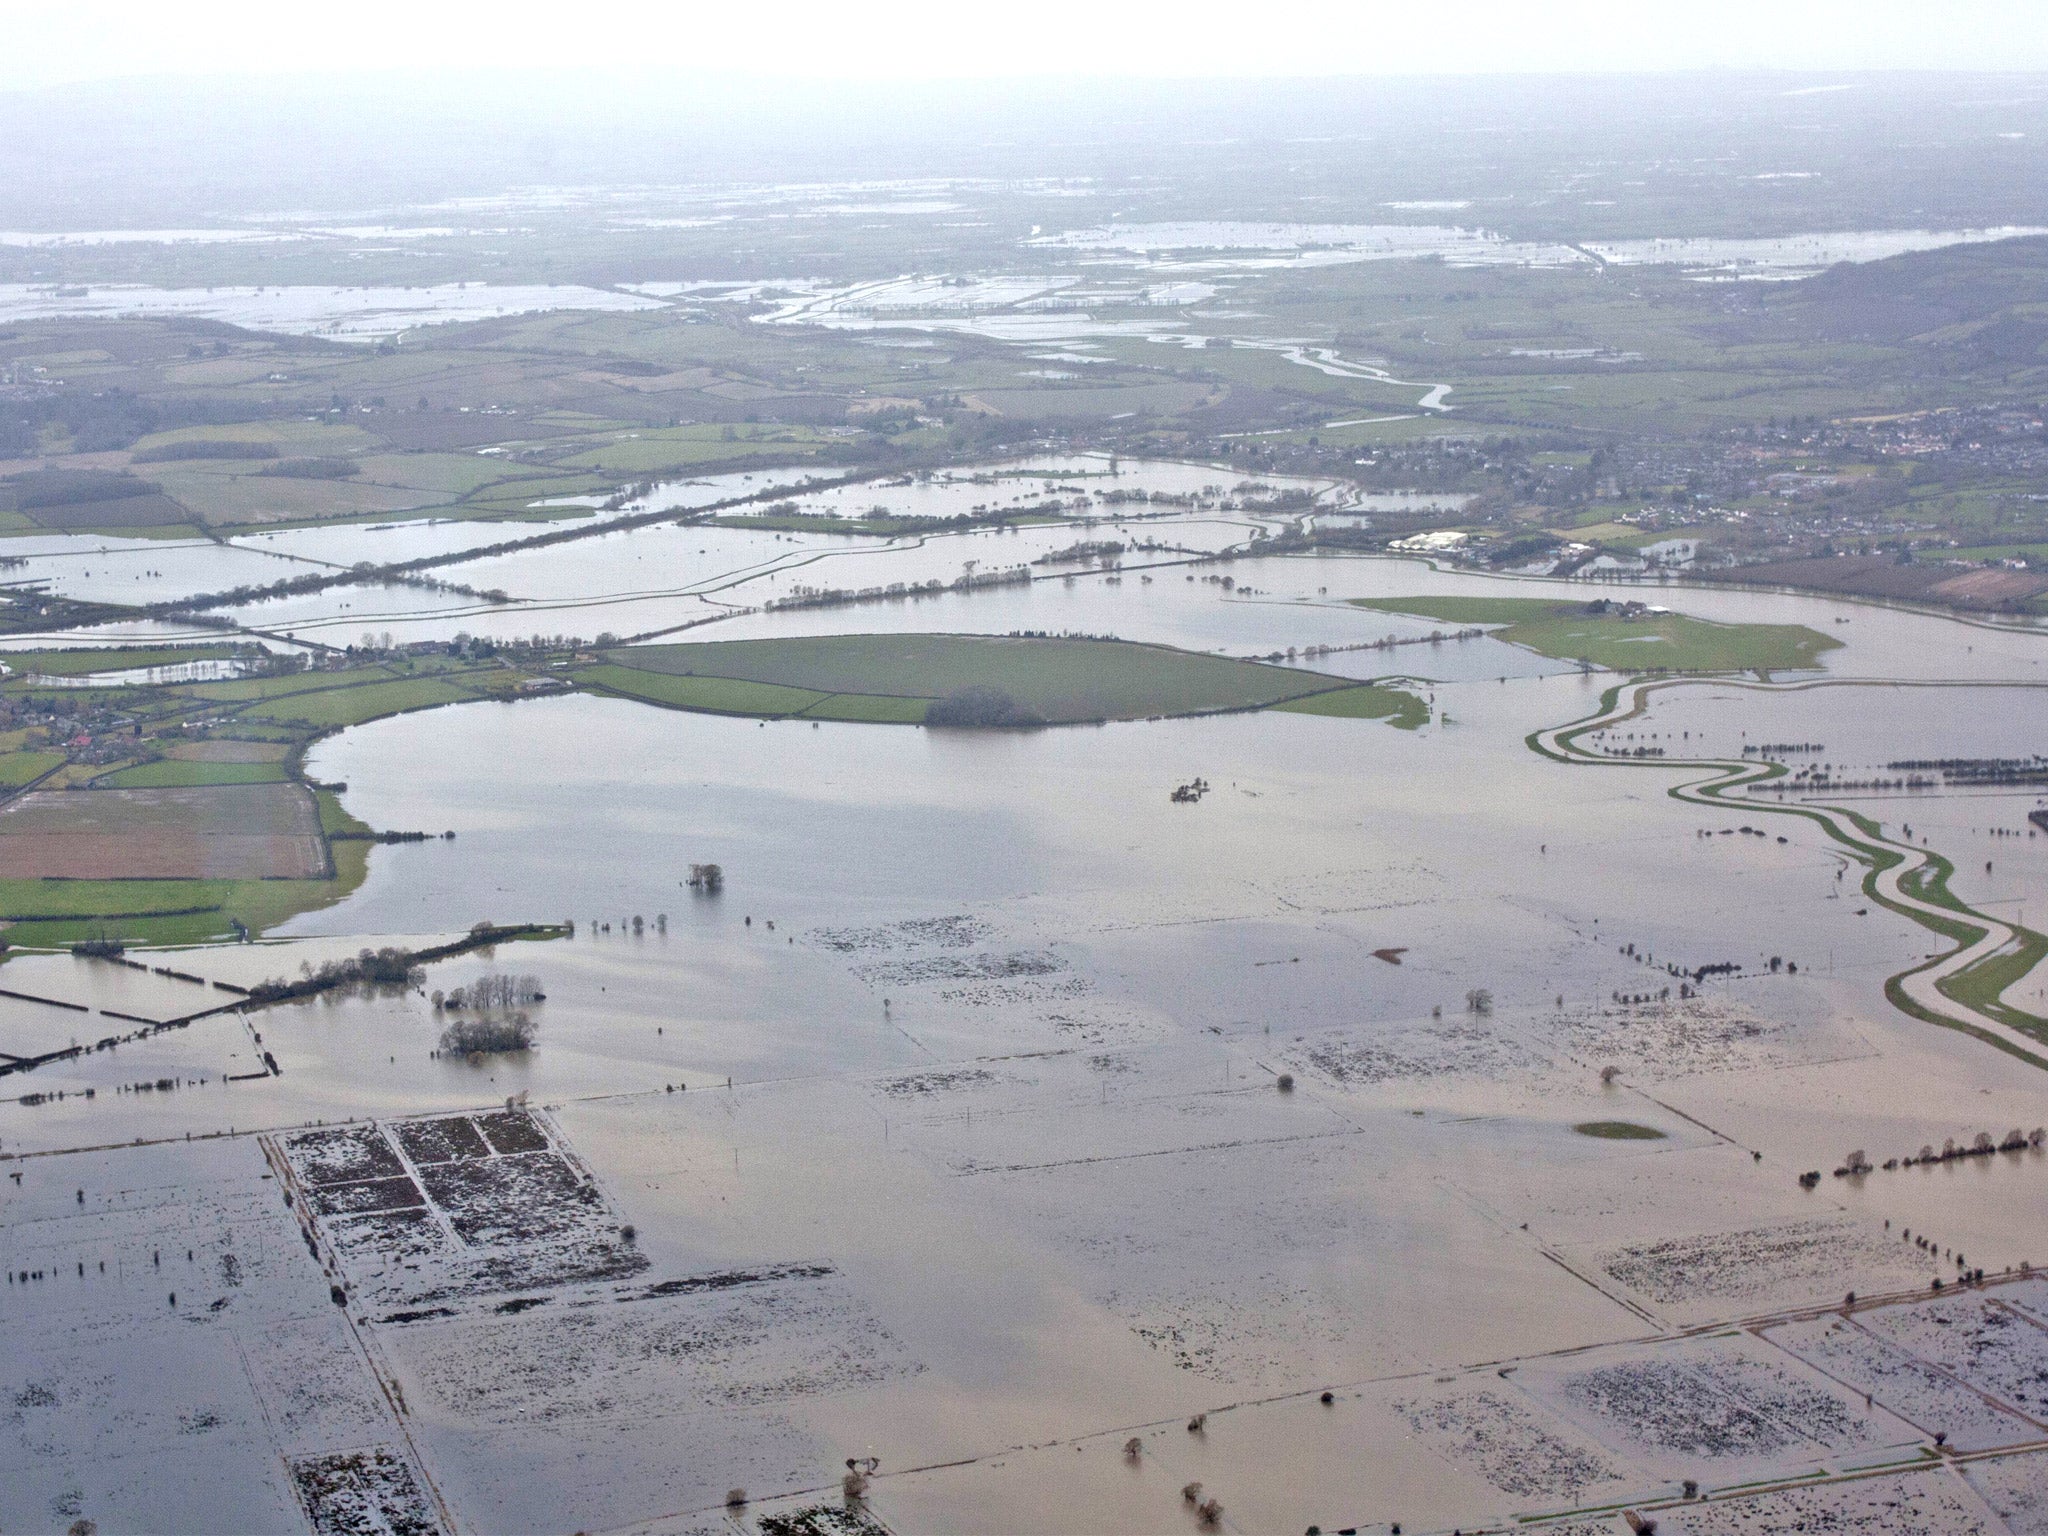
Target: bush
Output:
{"points": [[980, 708], [386, 967], [496, 990]]}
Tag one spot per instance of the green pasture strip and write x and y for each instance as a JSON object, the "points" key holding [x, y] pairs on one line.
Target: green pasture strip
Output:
{"points": [[169, 773], [1667, 642], [19, 768], [1367, 701], [357, 705], [712, 695], [1978, 986]]}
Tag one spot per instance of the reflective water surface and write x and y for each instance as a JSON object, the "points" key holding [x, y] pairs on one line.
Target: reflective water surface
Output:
{"points": [[952, 1130]]}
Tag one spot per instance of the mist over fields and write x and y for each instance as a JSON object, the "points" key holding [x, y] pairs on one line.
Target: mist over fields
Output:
{"points": [[1549, 157]]}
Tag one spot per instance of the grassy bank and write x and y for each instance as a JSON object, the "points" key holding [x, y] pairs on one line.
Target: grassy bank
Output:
{"points": [[1651, 642], [898, 678]]}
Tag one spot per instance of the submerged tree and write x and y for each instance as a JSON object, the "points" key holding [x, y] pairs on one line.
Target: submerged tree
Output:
{"points": [[480, 1036], [498, 989]]}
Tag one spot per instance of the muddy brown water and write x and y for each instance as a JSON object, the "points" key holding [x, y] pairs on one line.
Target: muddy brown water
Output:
{"points": [[988, 1197]]}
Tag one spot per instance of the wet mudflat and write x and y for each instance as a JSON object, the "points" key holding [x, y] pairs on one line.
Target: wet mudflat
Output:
{"points": [[999, 1111]]}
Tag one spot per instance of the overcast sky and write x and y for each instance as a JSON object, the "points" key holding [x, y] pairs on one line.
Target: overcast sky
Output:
{"points": [[46, 42]]}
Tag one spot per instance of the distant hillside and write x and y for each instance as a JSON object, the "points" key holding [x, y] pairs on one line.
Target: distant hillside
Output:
{"points": [[1983, 306]]}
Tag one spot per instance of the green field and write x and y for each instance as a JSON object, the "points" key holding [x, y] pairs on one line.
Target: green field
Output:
{"points": [[967, 680], [274, 718], [1368, 701], [172, 773], [714, 695], [79, 662], [48, 913], [332, 707], [1664, 642], [1982, 986], [893, 677], [18, 768]]}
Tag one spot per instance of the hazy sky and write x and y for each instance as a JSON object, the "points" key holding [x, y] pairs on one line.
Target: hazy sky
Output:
{"points": [[45, 42]]}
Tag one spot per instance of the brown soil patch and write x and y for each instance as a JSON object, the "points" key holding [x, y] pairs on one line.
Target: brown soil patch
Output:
{"points": [[229, 751], [218, 832], [1883, 576], [1989, 588], [1867, 575]]}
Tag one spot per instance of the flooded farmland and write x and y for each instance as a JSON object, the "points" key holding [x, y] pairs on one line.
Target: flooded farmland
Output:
{"points": [[1055, 1143], [874, 787]]}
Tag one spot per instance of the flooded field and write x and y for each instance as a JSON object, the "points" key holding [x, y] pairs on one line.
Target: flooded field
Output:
{"points": [[851, 803], [362, 315], [1408, 1128]]}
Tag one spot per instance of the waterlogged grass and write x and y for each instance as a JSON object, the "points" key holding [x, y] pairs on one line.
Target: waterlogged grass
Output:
{"points": [[241, 690], [334, 817], [1367, 702], [1056, 681], [1618, 1130], [1982, 986], [1665, 642], [1978, 988]]}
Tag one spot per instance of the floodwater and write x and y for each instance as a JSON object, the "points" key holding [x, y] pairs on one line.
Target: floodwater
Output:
{"points": [[651, 578], [1782, 257], [212, 671], [951, 1131], [1792, 256], [92, 568], [361, 315]]}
